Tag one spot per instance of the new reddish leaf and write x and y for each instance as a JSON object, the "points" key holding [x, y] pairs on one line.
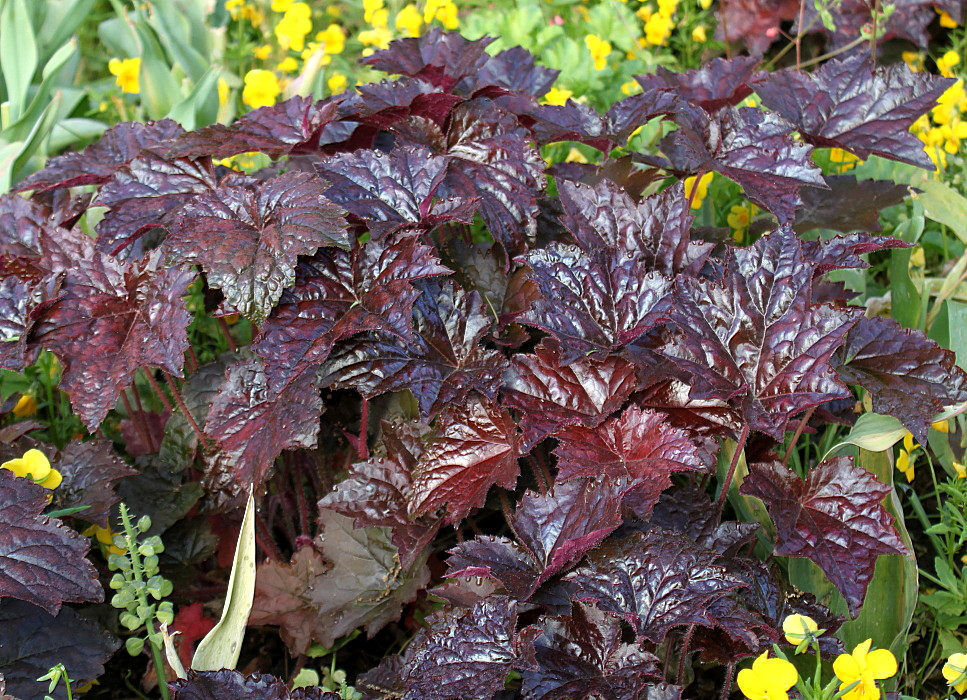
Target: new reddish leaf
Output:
{"points": [[438, 57], [41, 560], [247, 236], [654, 580], [834, 518]]}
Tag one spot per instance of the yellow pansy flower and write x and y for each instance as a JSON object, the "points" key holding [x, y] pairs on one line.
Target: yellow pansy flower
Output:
{"points": [[104, 536], [658, 28], [288, 65], [667, 7], [261, 88], [281, 5], [333, 38], [380, 37], [557, 96], [961, 470], [955, 672], [26, 406], [705, 4], [768, 679], [297, 22], [798, 628], [409, 20], [700, 192], [630, 88], [600, 50], [35, 466], [906, 460], [698, 34], [946, 62], [444, 11], [262, 52], [844, 159], [126, 73], [337, 83], [947, 22], [740, 215], [370, 8], [865, 668]]}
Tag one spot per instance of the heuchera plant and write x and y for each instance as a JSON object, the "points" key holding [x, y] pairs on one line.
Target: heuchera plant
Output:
{"points": [[509, 391]]}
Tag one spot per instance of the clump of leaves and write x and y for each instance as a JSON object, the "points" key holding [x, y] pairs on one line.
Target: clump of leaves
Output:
{"points": [[445, 347]]}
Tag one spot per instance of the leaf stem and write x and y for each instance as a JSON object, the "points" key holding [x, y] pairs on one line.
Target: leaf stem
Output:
{"points": [[739, 448], [842, 49], [181, 405], [264, 539], [227, 333], [681, 660], [136, 421], [362, 448], [727, 685], [797, 435]]}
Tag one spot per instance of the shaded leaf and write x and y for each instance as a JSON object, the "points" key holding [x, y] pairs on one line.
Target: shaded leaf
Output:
{"points": [[513, 69], [90, 470], [227, 684], [438, 57], [848, 205], [835, 518], [247, 236], [180, 442], [41, 560], [718, 83], [755, 22], [400, 104]]}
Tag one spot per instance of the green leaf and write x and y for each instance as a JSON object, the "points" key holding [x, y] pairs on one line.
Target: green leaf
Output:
{"points": [[159, 89], [18, 58], [945, 205], [189, 111], [220, 647], [873, 432]]}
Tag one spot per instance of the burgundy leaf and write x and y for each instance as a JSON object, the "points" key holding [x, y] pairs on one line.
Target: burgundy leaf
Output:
{"points": [[908, 375], [30, 232], [843, 252], [638, 447], [498, 558], [377, 492], [247, 236], [751, 147], [179, 445], [551, 394], [227, 684], [398, 103], [756, 340], [143, 431], [339, 294], [718, 83], [89, 471], [390, 192], [848, 104], [513, 69], [702, 416], [292, 126], [144, 193], [688, 509], [112, 319], [33, 641], [584, 655], [41, 560], [848, 205], [442, 365], [252, 425], [910, 20], [464, 656], [654, 580], [476, 446], [98, 162], [755, 22], [18, 299], [438, 57], [835, 518]]}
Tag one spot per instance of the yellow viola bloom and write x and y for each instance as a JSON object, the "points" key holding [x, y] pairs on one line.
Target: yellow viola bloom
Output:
{"points": [[409, 20], [768, 679], [941, 426], [444, 11], [600, 50], [297, 22], [955, 672], [262, 52], [667, 7], [370, 8], [700, 192], [380, 37], [126, 73], [557, 96], [333, 38], [947, 22], [26, 406], [35, 466], [705, 4], [698, 34], [799, 628], [658, 28], [337, 83], [961, 470], [104, 536], [281, 6], [865, 668], [946, 62], [261, 88], [740, 215], [630, 88], [288, 65]]}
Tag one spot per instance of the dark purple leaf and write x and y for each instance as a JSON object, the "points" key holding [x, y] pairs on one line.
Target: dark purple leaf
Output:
{"points": [[654, 581], [513, 69], [438, 57], [179, 445], [751, 147], [247, 236], [551, 394], [155, 491], [755, 22], [442, 365], [292, 126], [910, 20], [98, 162], [908, 375], [703, 416], [32, 641], [144, 194], [718, 83], [848, 205], [756, 340], [383, 681], [843, 252], [584, 656], [338, 294], [18, 299], [111, 319], [390, 192], [464, 656], [848, 104], [689, 510], [90, 470], [41, 560], [498, 558], [142, 431], [252, 425], [476, 446], [399, 103], [29, 232], [834, 518], [227, 684], [637, 446]]}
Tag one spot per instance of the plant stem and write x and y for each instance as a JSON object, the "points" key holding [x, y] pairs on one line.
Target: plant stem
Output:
{"points": [[227, 333], [681, 660], [739, 448], [184, 409], [137, 423], [167, 404], [264, 539], [538, 474], [361, 446], [832, 54], [802, 10], [796, 435], [727, 685]]}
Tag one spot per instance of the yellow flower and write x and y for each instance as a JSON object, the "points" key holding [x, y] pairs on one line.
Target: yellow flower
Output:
{"points": [[281, 5], [297, 22], [442, 10], [370, 8], [844, 159], [914, 60], [630, 88], [739, 217], [955, 672], [917, 258], [698, 34], [26, 406], [234, 7], [799, 628], [104, 536], [700, 192], [667, 7], [768, 679], [865, 668], [557, 96], [658, 28], [380, 37], [600, 50], [333, 38], [262, 52], [575, 156], [941, 426], [35, 466], [288, 65], [337, 83], [261, 88], [126, 73], [946, 62], [705, 4], [961, 470], [409, 20], [947, 22]]}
